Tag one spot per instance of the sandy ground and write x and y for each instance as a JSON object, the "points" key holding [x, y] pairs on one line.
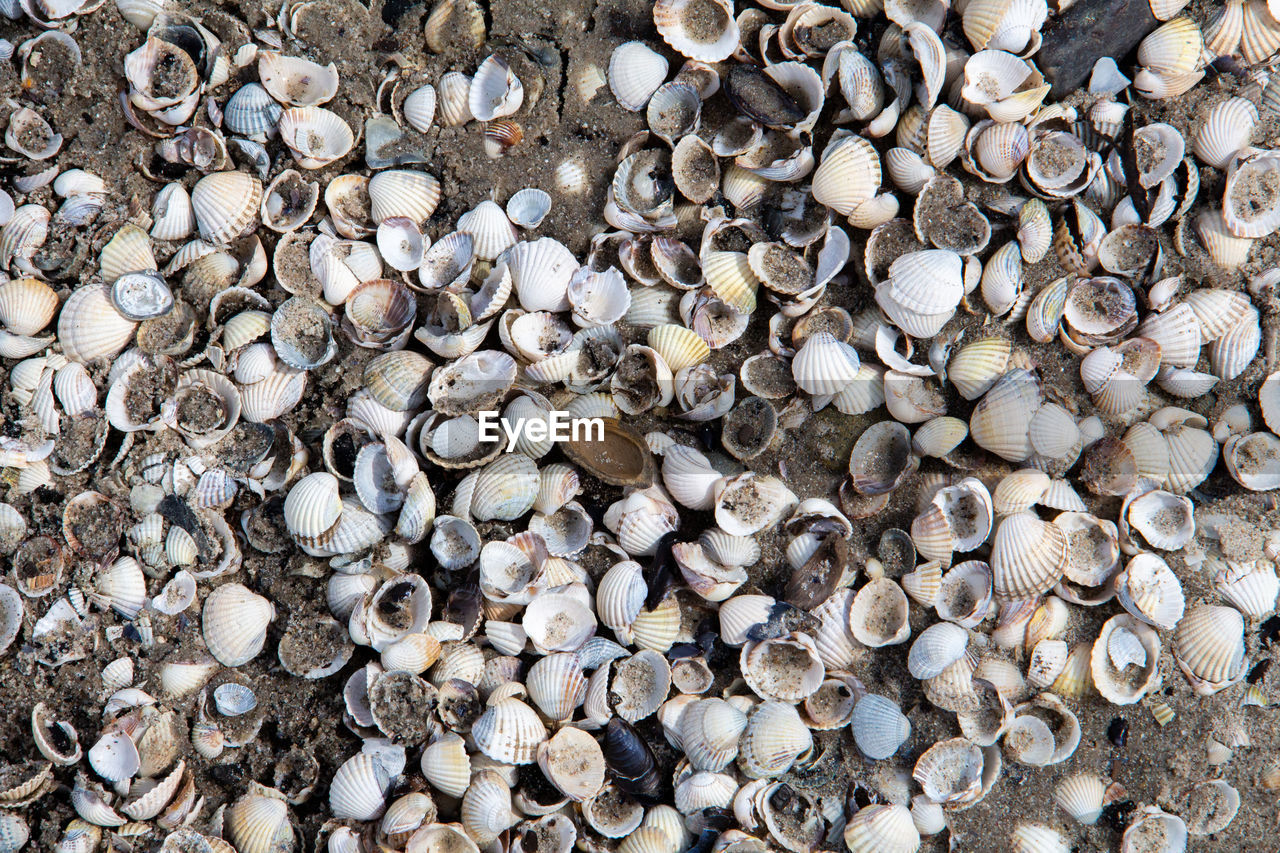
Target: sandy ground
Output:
{"points": [[1155, 765]]}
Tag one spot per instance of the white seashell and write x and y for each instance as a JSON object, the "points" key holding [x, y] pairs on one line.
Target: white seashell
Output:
{"points": [[1208, 645], [234, 624], [419, 108], [824, 365], [312, 508], [1225, 132], [528, 207], [114, 757], [295, 81], [90, 327], [1081, 796], [404, 193], [879, 727], [509, 731], [495, 90], [359, 788], [1168, 831], [707, 33], [315, 136], [491, 232], [252, 113], [882, 829], [878, 616], [172, 212]]}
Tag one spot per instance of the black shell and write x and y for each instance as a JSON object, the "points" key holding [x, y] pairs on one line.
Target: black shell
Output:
{"points": [[631, 762], [760, 99]]}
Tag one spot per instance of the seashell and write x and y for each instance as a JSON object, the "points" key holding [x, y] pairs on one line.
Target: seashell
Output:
{"points": [[491, 233], [404, 193], [1028, 556], [295, 81], [90, 327], [1007, 87], [964, 596], [878, 616], [509, 731], [1225, 248], [847, 175], [774, 738], [1225, 132], [1251, 460], [114, 757], [1037, 838], [824, 365], [1208, 644], [1168, 831], [635, 73], [315, 136], [11, 610], [495, 90], [704, 32], [359, 788], [27, 305], [225, 205], [1164, 520], [252, 112], [486, 807], [950, 771], [879, 727], [1081, 796], [785, 669], [528, 207], [234, 623], [749, 502], [1173, 48], [1125, 685], [453, 99], [888, 828], [419, 108]]}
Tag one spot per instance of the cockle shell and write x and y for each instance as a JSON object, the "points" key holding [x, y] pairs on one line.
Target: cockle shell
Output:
{"points": [[234, 623]]}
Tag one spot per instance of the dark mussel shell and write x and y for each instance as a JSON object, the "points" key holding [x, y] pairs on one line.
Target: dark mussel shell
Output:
{"points": [[760, 99], [631, 762]]}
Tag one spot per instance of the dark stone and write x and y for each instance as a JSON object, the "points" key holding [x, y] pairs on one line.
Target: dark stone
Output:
{"points": [[1086, 32]]}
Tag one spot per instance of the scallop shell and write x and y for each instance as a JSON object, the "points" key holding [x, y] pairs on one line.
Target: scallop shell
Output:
{"points": [[1028, 556], [90, 327], [882, 829], [234, 624], [315, 136], [225, 205], [359, 788], [1208, 645], [706, 32], [509, 731], [1225, 132]]}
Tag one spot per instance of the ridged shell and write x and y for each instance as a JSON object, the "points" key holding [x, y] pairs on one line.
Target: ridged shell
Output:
{"points": [[225, 205], [405, 193], [359, 788], [1208, 645], [1028, 556], [509, 731], [90, 327], [234, 623], [879, 727], [882, 829]]}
